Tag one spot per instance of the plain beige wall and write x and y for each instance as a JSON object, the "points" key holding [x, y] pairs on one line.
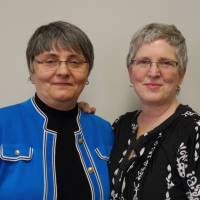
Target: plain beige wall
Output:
{"points": [[110, 25]]}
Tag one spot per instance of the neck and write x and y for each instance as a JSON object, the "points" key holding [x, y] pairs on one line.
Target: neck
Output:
{"points": [[157, 111], [153, 116], [58, 105]]}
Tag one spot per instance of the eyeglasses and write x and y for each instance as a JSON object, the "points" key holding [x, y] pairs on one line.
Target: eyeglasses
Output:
{"points": [[162, 64], [73, 65]]}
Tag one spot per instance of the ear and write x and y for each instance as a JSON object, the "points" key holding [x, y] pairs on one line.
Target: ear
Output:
{"points": [[31, 78], [130, 72], [31, 73], [181, 75], [87, 82]]}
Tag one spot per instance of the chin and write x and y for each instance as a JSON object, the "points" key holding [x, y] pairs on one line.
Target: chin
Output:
{"points": [[155, 101], [64, 97], [152, 100]]}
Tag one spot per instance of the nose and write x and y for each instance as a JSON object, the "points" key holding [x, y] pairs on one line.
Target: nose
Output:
{"points": [[154, 70], [63, 69]]}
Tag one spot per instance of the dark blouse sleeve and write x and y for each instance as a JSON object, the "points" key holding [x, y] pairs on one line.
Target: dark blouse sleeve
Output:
{"points": [[187, 157], [122, 129], [116, 128], [115, 123]]}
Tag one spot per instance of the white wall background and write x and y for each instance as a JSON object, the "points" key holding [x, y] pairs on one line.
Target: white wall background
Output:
{"points": [[110, 25]]}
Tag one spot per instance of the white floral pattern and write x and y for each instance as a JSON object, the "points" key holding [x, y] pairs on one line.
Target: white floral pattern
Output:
{"points": [[183, 158], [170, 184], [182, 164]]}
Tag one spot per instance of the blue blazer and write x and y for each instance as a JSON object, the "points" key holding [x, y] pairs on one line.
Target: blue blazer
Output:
{"points": [[27, 153]]}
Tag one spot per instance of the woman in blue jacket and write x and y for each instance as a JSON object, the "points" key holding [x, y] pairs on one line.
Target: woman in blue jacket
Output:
{"points": [[49, 149]]}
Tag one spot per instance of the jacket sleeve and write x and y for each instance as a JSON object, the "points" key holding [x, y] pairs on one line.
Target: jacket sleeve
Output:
{"points": [[188, 159]]}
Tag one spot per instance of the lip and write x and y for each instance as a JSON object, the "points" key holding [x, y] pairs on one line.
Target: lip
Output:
{"points": [[153, 85], [63, 83]]}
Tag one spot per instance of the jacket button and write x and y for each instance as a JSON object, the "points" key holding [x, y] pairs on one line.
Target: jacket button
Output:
{"points": [[17, 152], [80, 141], [90, 170]]}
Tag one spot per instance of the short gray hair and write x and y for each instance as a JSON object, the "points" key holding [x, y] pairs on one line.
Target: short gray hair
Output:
{"points": [[154, 31], [63, 34]]}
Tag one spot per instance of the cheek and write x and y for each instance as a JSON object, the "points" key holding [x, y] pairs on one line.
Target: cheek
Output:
{"points": [[136, 76], [80, 81], [80, 78], [172, 78], [36, 73], [40, 78]]}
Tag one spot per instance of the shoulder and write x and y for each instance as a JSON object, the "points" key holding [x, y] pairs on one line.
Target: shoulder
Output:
{"points": [[125, 120], [185, 129], [185, 121], [126, 117], [189, 114], [9, 109], [92, 118], [188, 118], [123, 126], [94, 121], [93, 125], [12, 111]]}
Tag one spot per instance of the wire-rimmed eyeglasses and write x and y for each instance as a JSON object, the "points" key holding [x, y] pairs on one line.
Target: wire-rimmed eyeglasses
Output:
{"points": [[162, 64], [73, 65]]}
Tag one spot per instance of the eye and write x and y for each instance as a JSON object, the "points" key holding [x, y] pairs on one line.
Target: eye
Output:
{"points": [[144, 62], [74, 61], [166, 63], [50, 61]]}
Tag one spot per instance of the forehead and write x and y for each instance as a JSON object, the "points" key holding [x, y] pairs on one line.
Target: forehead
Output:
{"points": [[60, 47], [58, 51], [156, 49]]}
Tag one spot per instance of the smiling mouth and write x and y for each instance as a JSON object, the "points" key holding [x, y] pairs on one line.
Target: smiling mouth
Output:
{"points": [[63, 84], [153, 85]]}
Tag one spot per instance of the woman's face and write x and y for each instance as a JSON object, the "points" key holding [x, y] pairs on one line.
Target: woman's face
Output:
{"points": [[158, 83], [59, 84]]}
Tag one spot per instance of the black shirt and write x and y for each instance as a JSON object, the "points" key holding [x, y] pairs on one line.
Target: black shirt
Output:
{"points": [[163, 164], [72, 183]]}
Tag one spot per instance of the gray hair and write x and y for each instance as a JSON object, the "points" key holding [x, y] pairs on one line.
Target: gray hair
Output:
{"points": [[154, 31], [62, 34]]}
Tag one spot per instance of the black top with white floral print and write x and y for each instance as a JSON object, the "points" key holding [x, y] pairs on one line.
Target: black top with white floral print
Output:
{"points": [[163, 164]]}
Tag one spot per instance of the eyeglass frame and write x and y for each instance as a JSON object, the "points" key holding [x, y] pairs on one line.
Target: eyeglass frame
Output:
{"points": [[53, 65], [172, 63]]}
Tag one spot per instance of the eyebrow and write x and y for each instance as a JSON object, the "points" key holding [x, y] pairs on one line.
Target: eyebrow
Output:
{"points": [[159, 59], [56, 55], [142, 58], [167, 59]]}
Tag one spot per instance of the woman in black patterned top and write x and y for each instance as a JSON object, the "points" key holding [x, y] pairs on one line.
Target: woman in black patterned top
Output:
{"points": [[156, 150]]}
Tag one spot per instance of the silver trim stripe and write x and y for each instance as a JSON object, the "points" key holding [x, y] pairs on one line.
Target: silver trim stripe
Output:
{"points": [[16, 158], [100, 155]]}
